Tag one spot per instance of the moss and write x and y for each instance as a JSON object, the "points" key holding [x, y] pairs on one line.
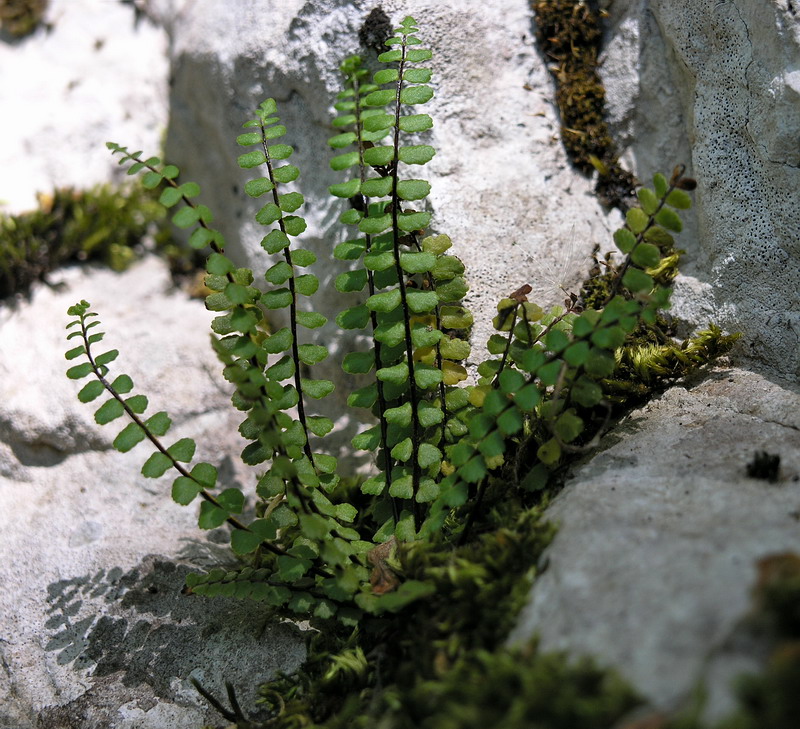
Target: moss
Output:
{"points": [[442, 662], [597, 289], [648, 362], [21, 17], [777, 594], [104, 224], [522, 688], [771, 700], [569, 34]]}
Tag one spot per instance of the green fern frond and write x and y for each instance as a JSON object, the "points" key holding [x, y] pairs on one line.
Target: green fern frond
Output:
{"points": [[323, 546]]}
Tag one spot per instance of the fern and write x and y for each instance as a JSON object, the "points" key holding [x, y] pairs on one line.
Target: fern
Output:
{"points": [[286, 271], [319, 544], [291, 493], [188, 485], [548, 382], [450, 525], [414, 286]]}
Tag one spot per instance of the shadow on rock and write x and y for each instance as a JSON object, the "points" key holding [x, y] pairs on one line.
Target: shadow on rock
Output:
{"points": [[139, 628]]}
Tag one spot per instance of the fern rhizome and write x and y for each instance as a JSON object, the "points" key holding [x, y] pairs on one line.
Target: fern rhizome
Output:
{"points": [[460, 470]]}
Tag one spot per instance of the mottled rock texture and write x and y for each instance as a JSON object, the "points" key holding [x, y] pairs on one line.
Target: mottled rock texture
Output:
{"points": [[712, 86], [717, 84], [659, 537], [91, 74], [501, 185]]}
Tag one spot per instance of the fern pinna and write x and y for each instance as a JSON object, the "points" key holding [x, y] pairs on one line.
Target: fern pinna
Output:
{"points": [[316, 546]]}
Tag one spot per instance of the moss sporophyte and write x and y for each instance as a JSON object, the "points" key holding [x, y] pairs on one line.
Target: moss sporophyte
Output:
{"points": [[431, 555]]}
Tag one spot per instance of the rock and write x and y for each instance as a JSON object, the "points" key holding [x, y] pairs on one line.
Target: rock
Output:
{"points": [[502, 188], [652, 567], [96, 633], [92, 74], [715, 85], [685, 85]]}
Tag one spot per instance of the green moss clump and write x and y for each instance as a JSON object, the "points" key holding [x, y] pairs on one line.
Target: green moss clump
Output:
{"points": [[441, 662], [104, 224], [777, 594], [771, 700], [21, 17], [644, 366], [569, 34], [519, 689]]}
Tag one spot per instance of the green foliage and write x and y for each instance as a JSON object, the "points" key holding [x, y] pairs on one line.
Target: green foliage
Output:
{"points": [[771, 700], [399, 670], [316, 564], [543, 395], [521, 688], [103, 224], [410, 280], [182, 451], [449, 516]]}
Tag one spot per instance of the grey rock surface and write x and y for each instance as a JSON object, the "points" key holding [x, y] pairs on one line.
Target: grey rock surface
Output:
{"points": [[660, 532], [502, 188], [713, 89], [95, 632], [716, 85]]}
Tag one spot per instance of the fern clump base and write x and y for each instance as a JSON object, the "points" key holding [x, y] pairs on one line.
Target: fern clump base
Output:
{"points": [[432, 554]]}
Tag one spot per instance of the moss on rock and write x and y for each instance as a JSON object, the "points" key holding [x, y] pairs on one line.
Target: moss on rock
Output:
{"points": [[104, 224], [569, 33]]}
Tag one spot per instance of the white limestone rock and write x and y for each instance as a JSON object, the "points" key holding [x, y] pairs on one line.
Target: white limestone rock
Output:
{"points": [[95, 75], [715, 85], [707, 83], [502, 188], [660, 532], [96, 633]]}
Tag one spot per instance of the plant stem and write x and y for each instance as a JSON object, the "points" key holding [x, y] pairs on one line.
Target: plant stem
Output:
{"points": [[395, 203], [504, 358], [301, 412], [373, 316], [233, 521]]}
